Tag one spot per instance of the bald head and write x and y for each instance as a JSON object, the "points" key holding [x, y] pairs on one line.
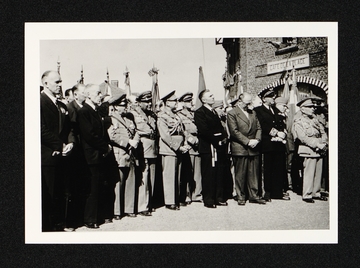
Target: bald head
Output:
{"points": [[245, 100]]}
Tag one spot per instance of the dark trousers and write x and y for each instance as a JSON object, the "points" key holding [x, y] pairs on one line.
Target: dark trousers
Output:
{"points": [[274, 173], [212, 178], [247, 173], [53, 201], [187, 183]]}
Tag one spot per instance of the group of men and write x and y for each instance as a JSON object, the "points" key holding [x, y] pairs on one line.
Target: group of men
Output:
{"points": [[102, 155]]}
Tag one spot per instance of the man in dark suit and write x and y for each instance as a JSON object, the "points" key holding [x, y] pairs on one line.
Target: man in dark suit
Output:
{"points": [[56, 141], [272, 146], [245, 135], [212, 148], [78, 171], [97, 150]]}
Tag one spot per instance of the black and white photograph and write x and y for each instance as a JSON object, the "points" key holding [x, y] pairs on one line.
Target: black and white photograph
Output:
{"points": [[181, 133]]}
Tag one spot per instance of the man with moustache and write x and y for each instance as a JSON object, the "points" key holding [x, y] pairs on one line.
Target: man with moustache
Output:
{"points": [[57, 141], [213, 151], [245, 135]]}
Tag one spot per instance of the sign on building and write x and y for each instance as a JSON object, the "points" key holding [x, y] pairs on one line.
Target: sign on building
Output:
{"points": [[287, 64]]}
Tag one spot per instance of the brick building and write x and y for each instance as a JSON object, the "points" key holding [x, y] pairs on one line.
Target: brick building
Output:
{"points": [[257, 63]]}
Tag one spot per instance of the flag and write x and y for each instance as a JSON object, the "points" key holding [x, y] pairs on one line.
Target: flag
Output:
{"points": [[286, 92], [293, 100], [202, 87], [155, 87], [127, 82]]}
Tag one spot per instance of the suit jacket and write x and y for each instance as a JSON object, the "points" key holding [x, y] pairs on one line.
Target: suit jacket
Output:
{"points": [[55, 129], [242, 129], [94, 137], [268, 121], [210, 130]]}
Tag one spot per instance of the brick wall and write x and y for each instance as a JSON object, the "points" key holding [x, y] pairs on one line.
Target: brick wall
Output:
{"points": [[255, 53]]}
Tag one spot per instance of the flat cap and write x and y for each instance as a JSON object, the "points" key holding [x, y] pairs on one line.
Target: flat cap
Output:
{"points": [[281, 100], [267, 92], [170, 96], [188, 96], [144, 97]]}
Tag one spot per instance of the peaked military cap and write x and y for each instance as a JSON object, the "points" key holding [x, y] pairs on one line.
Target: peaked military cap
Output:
{"points": [[121, 101], [170, 96], [233, 102], [267, 92], [188, 96], [144, 97], [307, 102]]}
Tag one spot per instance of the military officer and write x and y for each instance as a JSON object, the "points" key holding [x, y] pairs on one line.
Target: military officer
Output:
{"points": [[171, 148], [313, 144], [145, 121], [191, 170], [125, 139]]}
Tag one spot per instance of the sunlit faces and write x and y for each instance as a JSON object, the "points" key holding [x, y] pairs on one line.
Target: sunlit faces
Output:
{"points": [[145, 105], [308, 110], [281, 107], [94, 94], [245, 101], [172, 104], [79, 93], [208, 98], [188, 104], [53, 82]]}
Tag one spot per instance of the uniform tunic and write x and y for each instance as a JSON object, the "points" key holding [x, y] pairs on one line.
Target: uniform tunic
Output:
{"points": [[147, 130], [191, 171], [311, 135], [171, 138]]}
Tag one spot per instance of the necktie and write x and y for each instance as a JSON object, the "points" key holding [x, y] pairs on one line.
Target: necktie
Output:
{"points": [[60, 116]]}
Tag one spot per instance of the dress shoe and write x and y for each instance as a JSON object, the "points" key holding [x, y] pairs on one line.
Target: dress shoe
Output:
{"points": [[210, 206], [172, 207], [117, 217], [322, 198], [183, 204], [287, 198], [308, 200], [153, 210], [108, 221], [286, 194], [91, 225], [267, 199], [241, 202], [188, 202], [131, 215], [69, 229], [145, 213], [221, 203], [258, 201]]}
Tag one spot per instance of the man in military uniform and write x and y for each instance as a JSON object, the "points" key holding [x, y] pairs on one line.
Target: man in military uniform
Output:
{"points": [[190, 185], [145, 121], [272, 146], [313, 145], [171, 148]]}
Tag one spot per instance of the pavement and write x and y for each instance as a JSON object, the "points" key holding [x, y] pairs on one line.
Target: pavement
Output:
{"points": [[276, 215]]}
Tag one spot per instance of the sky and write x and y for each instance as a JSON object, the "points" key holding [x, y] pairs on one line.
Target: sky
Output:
{"points": [[178, 61]]}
